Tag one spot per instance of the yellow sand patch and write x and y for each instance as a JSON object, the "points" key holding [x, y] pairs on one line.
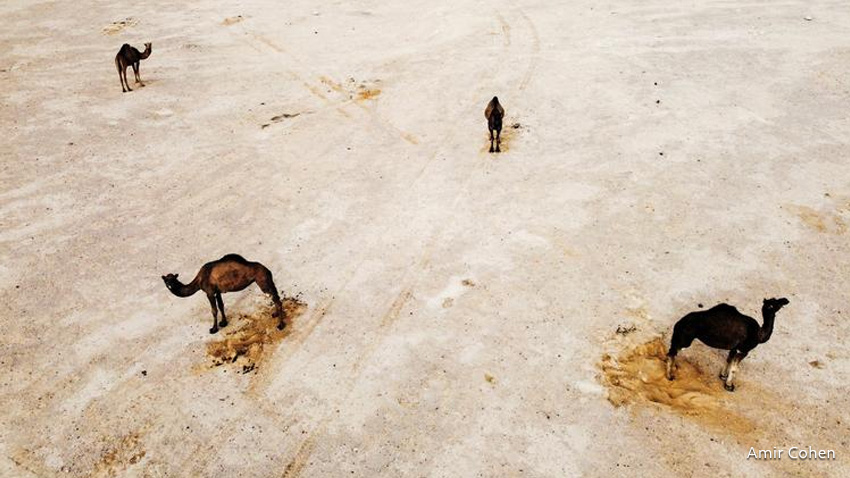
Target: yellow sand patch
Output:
{"points": [[248, 345], [638, 378]]}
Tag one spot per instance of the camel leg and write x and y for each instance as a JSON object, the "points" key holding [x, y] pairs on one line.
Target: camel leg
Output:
{"points": [[223, 322], [680, 340], [214, 328], [498, 140], [733, 369], [266, 284], [725, 372], [121, 79], [124, 73], [671, 367], [491, 141], [136, 73]]}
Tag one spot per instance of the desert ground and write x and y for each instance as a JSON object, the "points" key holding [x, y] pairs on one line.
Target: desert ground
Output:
{"points": [[451, 312]]}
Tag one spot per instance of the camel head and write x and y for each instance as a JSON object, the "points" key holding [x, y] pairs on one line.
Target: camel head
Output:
{"points": [[171, 281], [773, 305], [148, 46]]}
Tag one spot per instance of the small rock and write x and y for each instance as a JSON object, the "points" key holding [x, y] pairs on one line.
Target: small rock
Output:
{"points": [[145, 373], [808, 18], [816, 364]]}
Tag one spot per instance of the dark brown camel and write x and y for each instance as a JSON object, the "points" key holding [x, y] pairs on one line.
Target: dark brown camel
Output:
{"points": [[129, 56], [494, 114], [231, 273], [723, 327]]}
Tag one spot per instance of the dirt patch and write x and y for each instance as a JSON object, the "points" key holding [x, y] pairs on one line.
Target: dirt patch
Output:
{"points": [[232, 20], [249, 340], [116, 27], [825, 222], [117, 458], [637, 378]]}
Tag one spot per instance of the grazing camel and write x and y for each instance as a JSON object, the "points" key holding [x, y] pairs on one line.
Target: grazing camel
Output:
{"points": [[723, 327], [231, 273], [129, 56], [494, 114]]}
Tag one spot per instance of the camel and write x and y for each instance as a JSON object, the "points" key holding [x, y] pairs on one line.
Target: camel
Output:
{"points": [[723, 327], [494, 114], [129, 56], [231, 273]]}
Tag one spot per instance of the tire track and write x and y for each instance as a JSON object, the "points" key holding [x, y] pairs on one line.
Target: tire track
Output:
{"points": [[534, 57]]}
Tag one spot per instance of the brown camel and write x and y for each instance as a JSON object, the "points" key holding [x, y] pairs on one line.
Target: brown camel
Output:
{"points": [[494, 114], [723, 327], [231, 273], [129, 56]]}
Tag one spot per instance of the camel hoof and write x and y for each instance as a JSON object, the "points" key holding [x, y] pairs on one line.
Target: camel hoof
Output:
{"points": [[491, 150], [729, 387], [498, 150], [280, 326], [214, 330], [671, 377], [276, 314], [223, 323]]}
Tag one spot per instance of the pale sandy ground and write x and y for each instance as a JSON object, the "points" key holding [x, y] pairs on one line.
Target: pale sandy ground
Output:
{"points": [[459, 304]]}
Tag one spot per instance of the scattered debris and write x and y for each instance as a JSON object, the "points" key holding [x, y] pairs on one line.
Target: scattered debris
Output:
{"points": [[468, 283], [816, 364], [490, 379], [145, 373], [279, 118], [626, 328]]}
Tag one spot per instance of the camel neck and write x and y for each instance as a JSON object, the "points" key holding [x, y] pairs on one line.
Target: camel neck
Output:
{"points": [[767, 328], [145, 54], [185, 290]]}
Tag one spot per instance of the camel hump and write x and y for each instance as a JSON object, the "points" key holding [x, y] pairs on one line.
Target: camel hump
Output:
{"points": [[724, 309], [233, 257]]}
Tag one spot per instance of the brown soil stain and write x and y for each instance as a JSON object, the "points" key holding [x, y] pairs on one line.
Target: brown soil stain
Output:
{"points": [[249, 345], [824, 222], [395, 308], [116, 27], [125, 452], [315, 91], [410, 138], [332, 84], [300, 459], [368, 93], [637, 378], [232, 20]]}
